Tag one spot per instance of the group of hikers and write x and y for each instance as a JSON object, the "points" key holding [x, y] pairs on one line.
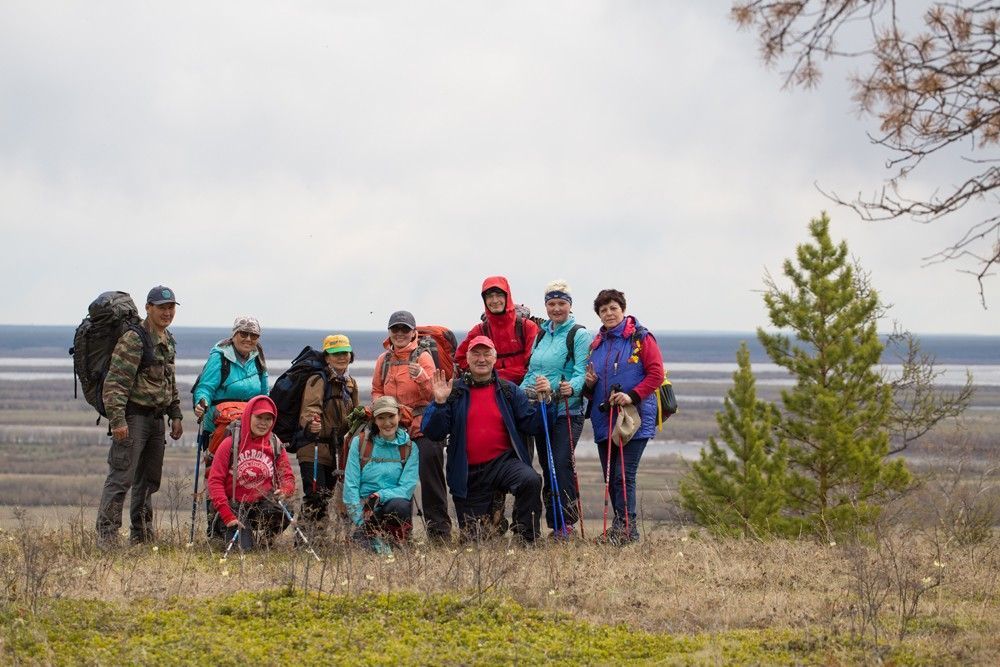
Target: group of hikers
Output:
{"points": [[464, 420]]}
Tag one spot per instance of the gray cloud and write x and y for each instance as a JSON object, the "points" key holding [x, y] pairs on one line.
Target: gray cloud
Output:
{"points": [[321, 164]]}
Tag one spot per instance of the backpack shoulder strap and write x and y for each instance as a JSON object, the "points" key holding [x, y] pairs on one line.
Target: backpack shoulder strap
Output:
{"points": [[539, 337], [519, 329], [148, 357], [234, 452], [507, 389], [570, 344], [386, 362], [404, 452], [365, 446], [224, 368]]}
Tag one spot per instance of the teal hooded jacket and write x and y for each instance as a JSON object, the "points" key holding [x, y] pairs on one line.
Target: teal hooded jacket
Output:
{"points": [[243, 382], [384, 473]]}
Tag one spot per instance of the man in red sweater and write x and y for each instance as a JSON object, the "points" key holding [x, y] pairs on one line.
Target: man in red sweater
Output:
{"points": [[483, 414]]}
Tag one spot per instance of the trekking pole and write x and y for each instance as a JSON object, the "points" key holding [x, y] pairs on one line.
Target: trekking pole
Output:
{"points": [[607, 473], [572, 460], [295, 524], [197, 468], [558, 519], [315, 459], [232, 541]]}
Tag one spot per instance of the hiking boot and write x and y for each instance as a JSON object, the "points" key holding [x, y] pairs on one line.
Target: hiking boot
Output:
{"points": [[109, 541], [439, 539], [616, 538], [565, 533], [141, 537]]}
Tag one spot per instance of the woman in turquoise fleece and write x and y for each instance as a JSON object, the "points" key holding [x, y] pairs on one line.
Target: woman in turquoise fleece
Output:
{"points": [[235, 371], [380, 476], [558, 366]]}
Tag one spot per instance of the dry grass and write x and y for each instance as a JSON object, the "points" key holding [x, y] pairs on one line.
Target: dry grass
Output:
{"points": [[675, 581]]}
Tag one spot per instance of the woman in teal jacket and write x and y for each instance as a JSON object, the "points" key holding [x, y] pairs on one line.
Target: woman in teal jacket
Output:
{"points": [[558, 365], [380, 476], [235, 371]]}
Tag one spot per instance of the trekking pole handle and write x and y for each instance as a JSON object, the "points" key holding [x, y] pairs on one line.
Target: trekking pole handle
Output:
{"points": [[205, 407]]}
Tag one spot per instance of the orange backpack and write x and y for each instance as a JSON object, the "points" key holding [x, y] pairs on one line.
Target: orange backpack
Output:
{"points": [[225, 414]]}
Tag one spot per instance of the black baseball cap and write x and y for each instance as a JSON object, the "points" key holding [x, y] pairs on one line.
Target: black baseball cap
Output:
{"points": [[159, 295], [403, 317]]}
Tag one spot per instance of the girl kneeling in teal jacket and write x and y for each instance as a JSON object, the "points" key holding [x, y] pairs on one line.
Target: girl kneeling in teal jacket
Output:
{"points": [[379, 478]]}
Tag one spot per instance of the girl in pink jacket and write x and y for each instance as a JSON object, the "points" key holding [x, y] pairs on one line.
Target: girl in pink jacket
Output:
{"points": [[250, 474]]}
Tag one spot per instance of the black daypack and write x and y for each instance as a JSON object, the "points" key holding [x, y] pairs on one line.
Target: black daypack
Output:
{"points": [[110, 315], [287, 391]]}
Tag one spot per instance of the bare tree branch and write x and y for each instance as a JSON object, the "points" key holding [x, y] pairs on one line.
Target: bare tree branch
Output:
{"points": [[934, 91]]}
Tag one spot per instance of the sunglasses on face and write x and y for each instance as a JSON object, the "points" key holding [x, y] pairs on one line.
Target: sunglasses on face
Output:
{"points": [[248, 335], [399, 328]]}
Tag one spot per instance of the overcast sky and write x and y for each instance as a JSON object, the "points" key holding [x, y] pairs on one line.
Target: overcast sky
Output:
{"points": [[321, 164]]}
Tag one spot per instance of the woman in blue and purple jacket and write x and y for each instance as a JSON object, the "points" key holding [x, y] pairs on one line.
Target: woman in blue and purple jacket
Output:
{"points": [[625, 368]]}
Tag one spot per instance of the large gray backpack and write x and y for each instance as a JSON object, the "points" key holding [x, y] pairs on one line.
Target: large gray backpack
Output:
{"points": [[109, 316]]}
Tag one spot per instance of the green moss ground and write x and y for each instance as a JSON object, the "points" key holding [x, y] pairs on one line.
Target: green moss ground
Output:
{"points": [[281, 627]]}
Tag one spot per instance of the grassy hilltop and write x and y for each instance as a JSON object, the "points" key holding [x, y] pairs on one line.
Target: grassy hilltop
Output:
{"points": [[923, 589]]}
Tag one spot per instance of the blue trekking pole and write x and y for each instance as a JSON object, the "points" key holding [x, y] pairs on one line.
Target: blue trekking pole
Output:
{"points": [[232, 541], [557, 517], [197, 469]]}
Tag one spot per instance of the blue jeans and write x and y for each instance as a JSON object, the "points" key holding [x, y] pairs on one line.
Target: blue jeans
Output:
{"points": [[632, 453], [562, 448]]}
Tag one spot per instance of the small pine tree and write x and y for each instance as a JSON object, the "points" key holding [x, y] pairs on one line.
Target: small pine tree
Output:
{"points": [[836, 417], [743, 493]]}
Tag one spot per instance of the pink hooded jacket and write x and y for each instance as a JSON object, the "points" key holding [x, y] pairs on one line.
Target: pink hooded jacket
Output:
{"points": [[256, 467]]}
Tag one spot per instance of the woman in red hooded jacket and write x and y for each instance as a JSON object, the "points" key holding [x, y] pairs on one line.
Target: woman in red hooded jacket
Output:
{"points": [[245, 491], [512, 334]]}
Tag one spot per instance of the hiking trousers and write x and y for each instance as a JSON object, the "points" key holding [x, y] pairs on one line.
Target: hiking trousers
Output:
{"points": [[315, 506], [434, 489], [506, 474], [134, 463], [262, 519]]}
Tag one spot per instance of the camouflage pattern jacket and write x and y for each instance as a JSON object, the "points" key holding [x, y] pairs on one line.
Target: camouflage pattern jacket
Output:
{"points": [[152, 387]]}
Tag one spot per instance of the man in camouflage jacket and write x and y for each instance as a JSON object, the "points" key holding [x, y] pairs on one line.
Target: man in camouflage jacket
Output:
{"points": [[139, 390]]}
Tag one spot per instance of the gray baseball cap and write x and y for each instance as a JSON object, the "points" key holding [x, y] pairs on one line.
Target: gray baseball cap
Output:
{"points": [[161, 294], [403, 317]]}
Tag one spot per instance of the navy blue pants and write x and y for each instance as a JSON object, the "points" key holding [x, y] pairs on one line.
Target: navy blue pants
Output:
{"points": [[633, 452], [504, 474]]}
